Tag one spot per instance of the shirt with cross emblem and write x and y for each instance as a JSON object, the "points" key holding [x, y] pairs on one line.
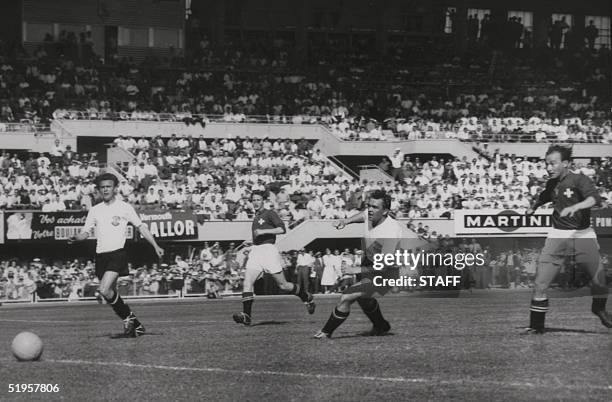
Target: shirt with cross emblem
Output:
{"points": [[266, 219], [571, 189]]}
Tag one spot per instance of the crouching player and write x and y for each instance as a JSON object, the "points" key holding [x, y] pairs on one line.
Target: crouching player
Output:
{"points": [[573, 196], [383, 234]]}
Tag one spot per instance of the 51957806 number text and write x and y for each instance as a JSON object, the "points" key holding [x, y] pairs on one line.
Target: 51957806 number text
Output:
{"points": [[32, 388]]}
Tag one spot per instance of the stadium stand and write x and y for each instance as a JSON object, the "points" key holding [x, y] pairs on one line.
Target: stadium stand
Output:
{"points": [[414, 94], [215, 179], [517, 98]]}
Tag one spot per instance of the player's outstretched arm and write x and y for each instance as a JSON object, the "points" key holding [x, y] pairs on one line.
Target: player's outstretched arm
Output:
{"points": [[272, 231], [357, 218], [144, 230]]}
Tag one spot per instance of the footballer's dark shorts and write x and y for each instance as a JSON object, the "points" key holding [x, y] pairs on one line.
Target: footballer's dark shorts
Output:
{"points": [[115, 261], [366, 283]]}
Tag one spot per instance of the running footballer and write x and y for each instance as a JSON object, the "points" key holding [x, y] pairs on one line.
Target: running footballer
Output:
{"points": [[573, 196], [265, 258], [109, 219]]}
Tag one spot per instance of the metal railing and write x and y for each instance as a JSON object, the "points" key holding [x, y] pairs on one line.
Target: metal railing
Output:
{"points": [[187, 118]]}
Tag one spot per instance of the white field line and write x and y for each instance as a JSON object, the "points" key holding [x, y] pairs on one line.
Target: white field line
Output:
{"points": [[325, 376]]}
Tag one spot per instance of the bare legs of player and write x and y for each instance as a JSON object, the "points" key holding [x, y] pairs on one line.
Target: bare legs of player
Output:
{"points": [[547, 272], [284, 286], [108, 290]]}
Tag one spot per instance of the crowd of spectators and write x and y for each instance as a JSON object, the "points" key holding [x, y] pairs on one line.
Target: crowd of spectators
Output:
{"points": [[214, 178], [494, 129], [211, 272], [214, 271], [426, 86]]}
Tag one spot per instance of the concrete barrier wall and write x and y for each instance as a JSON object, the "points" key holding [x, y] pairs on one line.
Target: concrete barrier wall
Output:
{"points": [[304, 233], [39, 142], [328, 143], [108, 128]]}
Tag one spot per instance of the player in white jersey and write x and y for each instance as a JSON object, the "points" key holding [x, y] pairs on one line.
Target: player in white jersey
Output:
{"points": [[383, 234], [109, 219]]}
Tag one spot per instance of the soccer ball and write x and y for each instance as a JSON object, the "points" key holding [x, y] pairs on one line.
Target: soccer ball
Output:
{"points": [[27, 347]]}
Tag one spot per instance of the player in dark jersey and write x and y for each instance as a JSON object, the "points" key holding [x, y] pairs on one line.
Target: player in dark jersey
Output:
{"points": [[572, 196], [265, 258]]}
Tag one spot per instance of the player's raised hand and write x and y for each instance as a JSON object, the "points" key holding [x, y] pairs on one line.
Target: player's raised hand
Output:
{"points": [[72, 239], [341, 224], [159, 251]]}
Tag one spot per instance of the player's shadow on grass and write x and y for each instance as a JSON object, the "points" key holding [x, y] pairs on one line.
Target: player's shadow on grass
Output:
{"points": [[362, 335], [574, 331], [569, 331], [269, 323], [123, 336]]}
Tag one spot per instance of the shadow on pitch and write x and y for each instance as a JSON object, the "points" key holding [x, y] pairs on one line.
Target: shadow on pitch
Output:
{"points": [[574, 331], [362, 335], [269, 323], [123, 336], [569, 331]]}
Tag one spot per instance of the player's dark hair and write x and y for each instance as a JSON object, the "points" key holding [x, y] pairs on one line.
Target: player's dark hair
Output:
{"points": [[565, 152], [258, 192], [382, 195], [107, 176]]}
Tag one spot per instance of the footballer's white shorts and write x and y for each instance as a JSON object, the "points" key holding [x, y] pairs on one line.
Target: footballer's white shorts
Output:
{"points": [[582, 244], [264, 258]]}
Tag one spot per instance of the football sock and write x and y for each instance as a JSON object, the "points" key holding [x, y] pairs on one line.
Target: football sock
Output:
{"points": [[335, 319], [599, 304], [299, 292], [537, 313], [371, 309], [247, 302], [119, 306]]}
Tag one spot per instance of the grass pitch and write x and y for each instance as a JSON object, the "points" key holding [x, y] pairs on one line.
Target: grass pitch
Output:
{"points": [[465, 348]]}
